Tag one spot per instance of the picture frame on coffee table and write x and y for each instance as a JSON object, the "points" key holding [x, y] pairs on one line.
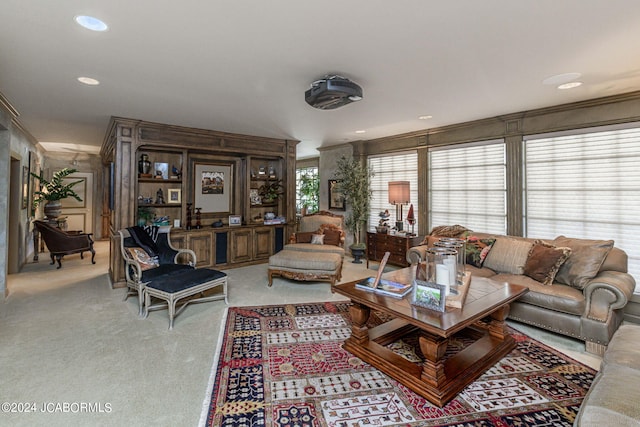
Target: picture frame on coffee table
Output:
{"points": [[428, 295]]}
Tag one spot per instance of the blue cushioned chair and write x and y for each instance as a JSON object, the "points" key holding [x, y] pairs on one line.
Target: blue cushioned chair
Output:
{"points": [[154, 268]]}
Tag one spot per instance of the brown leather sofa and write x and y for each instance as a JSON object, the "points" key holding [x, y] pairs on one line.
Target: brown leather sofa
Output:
{"points": [[584, 300]]}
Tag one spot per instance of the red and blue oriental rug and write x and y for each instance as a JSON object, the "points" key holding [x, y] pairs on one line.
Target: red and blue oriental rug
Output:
{"points": [[283, 366]]}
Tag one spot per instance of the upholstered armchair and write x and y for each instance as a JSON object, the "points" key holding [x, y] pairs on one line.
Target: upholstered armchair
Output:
{"points": [[61, 243], [148, 257]]}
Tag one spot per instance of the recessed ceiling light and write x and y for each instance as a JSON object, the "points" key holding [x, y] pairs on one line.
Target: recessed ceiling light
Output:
{"points": [[560, 79], [361, 131], [91, 23], [569, 85], [425, 117], [88, 81]]}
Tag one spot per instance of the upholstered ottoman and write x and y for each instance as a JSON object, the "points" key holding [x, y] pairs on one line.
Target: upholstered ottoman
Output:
{"points": [[306, 266]]}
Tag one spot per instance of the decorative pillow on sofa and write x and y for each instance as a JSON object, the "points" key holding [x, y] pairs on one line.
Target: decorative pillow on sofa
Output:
{"points": [[544, 261], [331, 237], [304, 236], [508, 255], [476, 250], [317, 239], [447, 231], [584, 262], [146, 262]]}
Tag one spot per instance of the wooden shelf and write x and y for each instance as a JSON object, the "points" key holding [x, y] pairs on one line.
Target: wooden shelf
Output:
{"points": [[154, 180]]}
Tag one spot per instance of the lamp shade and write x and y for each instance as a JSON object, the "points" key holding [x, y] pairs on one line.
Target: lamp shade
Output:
{"points": [[399, 192]]}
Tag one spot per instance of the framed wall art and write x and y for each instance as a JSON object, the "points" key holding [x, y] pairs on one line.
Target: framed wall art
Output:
{"points": [[213, 186], [336, 198]]}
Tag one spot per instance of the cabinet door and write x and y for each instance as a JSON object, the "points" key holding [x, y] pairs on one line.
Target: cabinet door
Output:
{"points": [[263, 242], [201, 242], [241, 245]]}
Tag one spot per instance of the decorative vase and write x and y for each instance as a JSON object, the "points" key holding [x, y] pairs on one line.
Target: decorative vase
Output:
{"points": [[144, 165], [358, 253], [53, 209]]}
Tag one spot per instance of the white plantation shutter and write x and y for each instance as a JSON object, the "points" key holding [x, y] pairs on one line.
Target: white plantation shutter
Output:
{"points": [[587, 186], [467, 186], [397, 167]]}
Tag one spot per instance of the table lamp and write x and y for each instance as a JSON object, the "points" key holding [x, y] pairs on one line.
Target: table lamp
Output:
{"points": [[399, 194]]}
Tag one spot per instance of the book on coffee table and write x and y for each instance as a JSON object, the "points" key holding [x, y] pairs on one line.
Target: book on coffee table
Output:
{"points": [[382, 286]]}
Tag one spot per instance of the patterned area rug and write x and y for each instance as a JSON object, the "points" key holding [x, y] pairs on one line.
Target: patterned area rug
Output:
{"points": [[283, 366]]}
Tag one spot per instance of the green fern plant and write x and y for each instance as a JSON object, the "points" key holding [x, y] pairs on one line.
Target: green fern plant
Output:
{"points": [[55, 189]]}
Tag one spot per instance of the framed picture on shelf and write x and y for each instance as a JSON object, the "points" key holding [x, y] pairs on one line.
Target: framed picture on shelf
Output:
{"points": [[161, 170], [213, 184], [235, 220], [254, 197], [429, 295], [175, 195], [336, 198]]}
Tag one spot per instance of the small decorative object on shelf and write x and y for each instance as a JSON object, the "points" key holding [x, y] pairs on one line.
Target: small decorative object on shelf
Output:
{"points": [[272, 172], [217, 224], [262, 171], [175, 173], [253, 174], [198, 217], [159, 197], [411, 219], [383, 224], [144, 166], [188, 225]]}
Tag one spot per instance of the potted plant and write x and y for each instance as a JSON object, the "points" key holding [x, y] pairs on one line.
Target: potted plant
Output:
{"points": [[309, 189], [270, 191], [54, 191], [146, 214], [355, 184]]}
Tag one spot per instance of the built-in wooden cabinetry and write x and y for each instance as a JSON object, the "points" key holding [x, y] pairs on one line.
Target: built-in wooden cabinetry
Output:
{"points": [[219, 172]]}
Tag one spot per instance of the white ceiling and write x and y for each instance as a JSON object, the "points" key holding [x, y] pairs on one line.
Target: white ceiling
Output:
{"points": [[243, 66]]}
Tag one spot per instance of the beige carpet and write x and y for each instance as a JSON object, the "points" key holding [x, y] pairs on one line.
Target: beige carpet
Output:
{"points": [[68, 342]]}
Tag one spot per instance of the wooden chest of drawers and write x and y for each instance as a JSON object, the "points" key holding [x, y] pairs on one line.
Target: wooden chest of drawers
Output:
{"points": [[378, 244]]}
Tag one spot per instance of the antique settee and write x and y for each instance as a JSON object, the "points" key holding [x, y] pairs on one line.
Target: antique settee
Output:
{"points": [[314, 253], [577, 287]]}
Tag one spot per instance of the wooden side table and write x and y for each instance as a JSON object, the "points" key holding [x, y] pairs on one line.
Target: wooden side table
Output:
{"points": [[379, 243]]}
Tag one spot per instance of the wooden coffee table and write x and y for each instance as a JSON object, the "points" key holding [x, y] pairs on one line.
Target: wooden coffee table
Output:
{"points": [[437, 379]]}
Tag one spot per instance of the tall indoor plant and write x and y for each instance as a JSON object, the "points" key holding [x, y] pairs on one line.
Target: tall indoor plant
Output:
{"points": [[355, 184], [54, 191]]}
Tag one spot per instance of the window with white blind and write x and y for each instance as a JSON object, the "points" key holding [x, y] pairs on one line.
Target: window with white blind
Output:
{"points": [[585, 185], [396, 167], [467, 186]]}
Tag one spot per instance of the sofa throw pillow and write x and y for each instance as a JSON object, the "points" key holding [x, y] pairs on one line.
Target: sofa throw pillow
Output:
{"points": [[508, 255], [544, 261], [449, 230], [584, 262], [317, 239], [146, 261], [304, 237], [331, 237], [476, 250]]}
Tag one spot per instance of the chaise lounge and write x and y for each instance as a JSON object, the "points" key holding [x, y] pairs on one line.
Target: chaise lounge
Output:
{"points": [[314, 253]]}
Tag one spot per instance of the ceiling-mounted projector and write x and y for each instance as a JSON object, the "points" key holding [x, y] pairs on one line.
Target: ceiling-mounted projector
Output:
{"points": [[332, 92]]}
